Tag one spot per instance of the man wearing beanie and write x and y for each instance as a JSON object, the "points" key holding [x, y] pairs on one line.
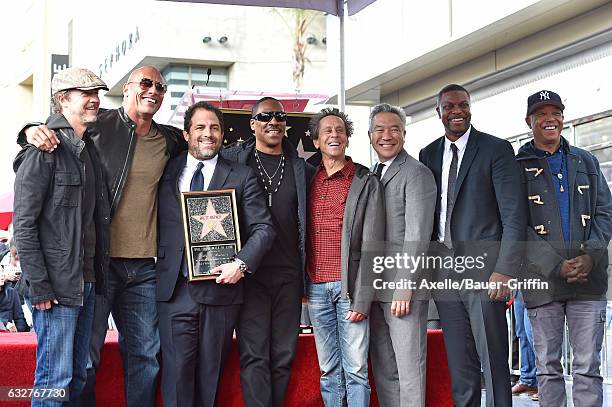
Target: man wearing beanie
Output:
{"points": [[61, 219]]}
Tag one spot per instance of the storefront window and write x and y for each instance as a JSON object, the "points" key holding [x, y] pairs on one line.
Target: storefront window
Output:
{"points": [[181, 78], [596, 136]]}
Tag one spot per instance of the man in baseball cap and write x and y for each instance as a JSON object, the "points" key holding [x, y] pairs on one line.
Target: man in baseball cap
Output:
{"points": [[61, 218], [542, 98], [569, 228]]}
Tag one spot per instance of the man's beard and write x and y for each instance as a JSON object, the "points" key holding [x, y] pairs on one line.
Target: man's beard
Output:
{"points": [[203, 154]]}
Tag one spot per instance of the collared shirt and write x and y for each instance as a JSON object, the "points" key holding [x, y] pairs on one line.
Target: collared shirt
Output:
{"points": [[558, 165], [88, 183], [190, 168], [461, 143], [386, 167], [327, 200]]}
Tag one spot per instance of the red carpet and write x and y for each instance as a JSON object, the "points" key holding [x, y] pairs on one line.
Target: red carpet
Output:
{"points": [[18, 359]]}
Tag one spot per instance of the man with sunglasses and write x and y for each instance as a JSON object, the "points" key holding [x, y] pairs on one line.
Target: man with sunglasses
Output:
{"points": [[133, 150], [269, 320]]}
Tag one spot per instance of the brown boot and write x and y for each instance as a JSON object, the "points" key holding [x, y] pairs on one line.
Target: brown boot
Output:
{"points": [[521, 388]]}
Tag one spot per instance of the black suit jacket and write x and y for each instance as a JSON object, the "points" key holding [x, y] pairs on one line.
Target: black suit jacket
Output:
{"points": [[256, 230], [489, 214]]}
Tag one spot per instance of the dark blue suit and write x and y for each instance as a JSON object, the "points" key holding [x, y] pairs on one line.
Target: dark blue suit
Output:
{"points": [[488, 216], [197, 319]]}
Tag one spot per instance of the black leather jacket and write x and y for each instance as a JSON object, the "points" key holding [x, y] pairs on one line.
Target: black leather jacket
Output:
{"points": [[114, 137], [48, 219]]}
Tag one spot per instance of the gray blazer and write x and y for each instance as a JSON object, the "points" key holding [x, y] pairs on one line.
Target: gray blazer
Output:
{"points": [[410, 200], [363, 232]]}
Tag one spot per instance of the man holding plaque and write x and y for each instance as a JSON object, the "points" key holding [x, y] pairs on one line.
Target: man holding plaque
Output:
{"points": [[197, 318]]}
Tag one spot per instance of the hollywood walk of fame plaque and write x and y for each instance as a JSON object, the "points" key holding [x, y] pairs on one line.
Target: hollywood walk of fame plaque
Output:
{"points": [[212, 235]]}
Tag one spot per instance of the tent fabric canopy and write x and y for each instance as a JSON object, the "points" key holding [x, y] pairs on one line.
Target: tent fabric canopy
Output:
{"points": [[334, 7]]}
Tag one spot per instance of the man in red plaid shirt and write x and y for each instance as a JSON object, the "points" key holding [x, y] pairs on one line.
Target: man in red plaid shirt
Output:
{"points": [[346, 217]]}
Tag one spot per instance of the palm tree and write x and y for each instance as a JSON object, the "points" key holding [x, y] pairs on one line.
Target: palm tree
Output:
{"points": [[297, 22]]}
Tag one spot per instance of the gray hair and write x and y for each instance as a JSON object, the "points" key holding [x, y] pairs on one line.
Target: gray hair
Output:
{"points": [[55, 103], [387, 108]]}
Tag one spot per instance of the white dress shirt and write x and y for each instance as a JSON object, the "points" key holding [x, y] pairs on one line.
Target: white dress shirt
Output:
{"points": [[386, 167], [461, 143], [190, 168]]}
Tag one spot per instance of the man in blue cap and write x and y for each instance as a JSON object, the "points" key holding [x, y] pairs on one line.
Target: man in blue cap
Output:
{"points": [[569, 228]]}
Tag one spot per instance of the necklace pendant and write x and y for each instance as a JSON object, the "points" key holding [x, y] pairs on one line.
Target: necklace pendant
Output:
{"points": [[561, 189], [269, 199], [560, 175]]}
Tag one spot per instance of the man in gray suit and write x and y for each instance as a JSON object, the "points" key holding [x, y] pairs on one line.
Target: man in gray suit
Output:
{"points": [[398, 317]]}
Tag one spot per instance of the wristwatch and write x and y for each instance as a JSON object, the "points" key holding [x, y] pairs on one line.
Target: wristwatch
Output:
{"points": [[242, 266]]}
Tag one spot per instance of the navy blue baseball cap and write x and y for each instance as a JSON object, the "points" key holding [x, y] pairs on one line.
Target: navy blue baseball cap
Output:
{"points": [[541, 98]]}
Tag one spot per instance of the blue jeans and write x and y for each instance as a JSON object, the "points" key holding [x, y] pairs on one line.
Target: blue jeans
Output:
{"points": [[131, 299], [62, 350], [342, 346], [525, 337]]}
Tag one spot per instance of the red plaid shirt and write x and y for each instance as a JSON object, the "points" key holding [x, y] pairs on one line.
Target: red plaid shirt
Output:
{"points": [[327, 200]]}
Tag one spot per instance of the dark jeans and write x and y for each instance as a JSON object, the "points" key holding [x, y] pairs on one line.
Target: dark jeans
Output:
{"points": [[131, 299]]}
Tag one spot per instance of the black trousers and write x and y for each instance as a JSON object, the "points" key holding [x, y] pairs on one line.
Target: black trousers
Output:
{"points": [[268, 328], [476, 337], [195, 342]]}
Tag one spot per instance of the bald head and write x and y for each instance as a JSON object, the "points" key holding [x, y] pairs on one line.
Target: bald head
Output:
{"points": [[146, 71], [143, 93]]}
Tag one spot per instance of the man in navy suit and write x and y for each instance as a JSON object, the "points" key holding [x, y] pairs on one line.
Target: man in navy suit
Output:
{"points": [[479, 224], [197, 319]]}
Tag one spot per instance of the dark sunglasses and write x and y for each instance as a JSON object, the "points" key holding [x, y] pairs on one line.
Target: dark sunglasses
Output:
{"points": [[267, 116], [146, 83]]}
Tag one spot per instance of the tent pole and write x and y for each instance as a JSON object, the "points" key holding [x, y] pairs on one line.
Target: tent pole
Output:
{"points": [[342, 91]]}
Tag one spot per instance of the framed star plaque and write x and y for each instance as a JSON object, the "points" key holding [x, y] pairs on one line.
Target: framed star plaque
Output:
{"points": [[212, 233]]}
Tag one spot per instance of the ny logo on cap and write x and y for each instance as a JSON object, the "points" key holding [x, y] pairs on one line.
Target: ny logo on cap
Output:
{"points": [[544, 95]]}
